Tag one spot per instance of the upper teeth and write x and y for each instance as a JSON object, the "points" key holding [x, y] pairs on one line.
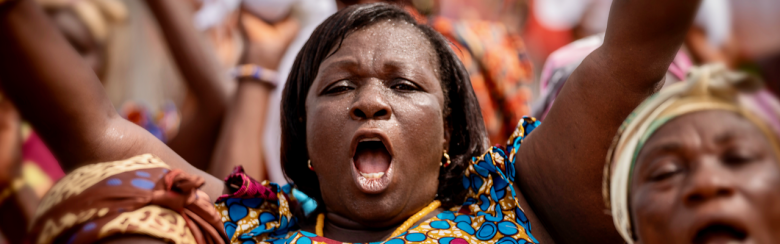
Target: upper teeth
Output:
{"points": [[370, 139], [372, 175]]}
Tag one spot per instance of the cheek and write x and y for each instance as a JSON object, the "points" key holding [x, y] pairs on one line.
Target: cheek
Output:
{"points": [[418, 143], [760, 185], [420, 123], [326, 134], [652, 211]]}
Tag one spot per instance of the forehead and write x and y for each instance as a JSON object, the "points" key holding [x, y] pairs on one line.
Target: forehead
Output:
{"points": [[389, 41], [705, 127]]}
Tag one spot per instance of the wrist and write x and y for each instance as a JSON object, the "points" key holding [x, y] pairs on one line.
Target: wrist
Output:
{"points": [[251, 72]]}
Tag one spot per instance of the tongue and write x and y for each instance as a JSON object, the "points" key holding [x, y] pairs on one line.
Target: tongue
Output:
{"points": [[372, 158]]}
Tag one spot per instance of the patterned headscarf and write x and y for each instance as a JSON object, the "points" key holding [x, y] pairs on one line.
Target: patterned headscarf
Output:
{"points": [[710, 87], [97, 15]]}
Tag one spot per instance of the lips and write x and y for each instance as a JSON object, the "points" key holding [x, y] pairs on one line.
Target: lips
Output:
{"points": [[721, 230], [720, 233], [371, 161]]}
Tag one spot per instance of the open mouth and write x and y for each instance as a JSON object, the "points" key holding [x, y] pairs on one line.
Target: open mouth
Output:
{"points": [[372, 163], [720, 233]]}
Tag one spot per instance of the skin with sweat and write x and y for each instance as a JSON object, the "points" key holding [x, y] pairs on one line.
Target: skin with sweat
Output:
{"points": [[702, 182], [381, 83]]}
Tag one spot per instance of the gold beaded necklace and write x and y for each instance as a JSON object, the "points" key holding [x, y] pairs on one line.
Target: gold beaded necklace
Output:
{"points": [[401, 229]]}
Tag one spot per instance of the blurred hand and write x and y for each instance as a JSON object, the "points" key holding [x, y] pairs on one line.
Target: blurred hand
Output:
{"points": [[266, 43]]}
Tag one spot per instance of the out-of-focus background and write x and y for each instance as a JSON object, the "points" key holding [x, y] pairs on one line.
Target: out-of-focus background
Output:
{"points": [[518, 52], [743, 33]]}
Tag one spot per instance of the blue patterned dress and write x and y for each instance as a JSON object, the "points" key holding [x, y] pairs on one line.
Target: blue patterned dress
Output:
{"points": [[261, 212]]}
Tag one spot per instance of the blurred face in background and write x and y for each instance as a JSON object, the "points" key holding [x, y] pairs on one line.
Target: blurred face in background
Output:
{"points": [[78, 35], [706, 177]]}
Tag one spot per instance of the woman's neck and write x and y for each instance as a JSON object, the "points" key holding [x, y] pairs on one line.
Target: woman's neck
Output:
{"points": [[340, 228]]}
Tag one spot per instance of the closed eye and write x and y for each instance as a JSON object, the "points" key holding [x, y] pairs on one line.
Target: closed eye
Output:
{"points": [[736, 157], [665, 170]]}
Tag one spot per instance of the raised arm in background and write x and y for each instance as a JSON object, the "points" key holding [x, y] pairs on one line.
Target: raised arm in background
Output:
{"points": [[241, 139], [560, 165], [62, 98], [204, 77]]}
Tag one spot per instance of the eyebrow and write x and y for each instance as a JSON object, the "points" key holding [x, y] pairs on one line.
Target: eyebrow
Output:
{"points": [[342, 63], [725, 137], [665, 147]]}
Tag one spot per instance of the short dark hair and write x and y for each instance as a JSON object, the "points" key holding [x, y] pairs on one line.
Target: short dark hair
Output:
{"points": [[462, 114]]}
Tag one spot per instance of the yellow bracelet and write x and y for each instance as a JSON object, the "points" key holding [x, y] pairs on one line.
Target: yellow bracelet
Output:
{"points": [[17, 184]]}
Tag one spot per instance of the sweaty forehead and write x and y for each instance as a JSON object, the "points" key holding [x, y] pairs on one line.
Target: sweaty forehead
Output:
{"points": [[705, 127], [389, 41]]}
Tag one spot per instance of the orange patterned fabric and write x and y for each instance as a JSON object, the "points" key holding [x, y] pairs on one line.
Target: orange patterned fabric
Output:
{"points": [[500, 71], [140, 196]]}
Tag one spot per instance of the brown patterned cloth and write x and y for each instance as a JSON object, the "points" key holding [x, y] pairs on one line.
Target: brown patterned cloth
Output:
{"points": [[139, 196]]}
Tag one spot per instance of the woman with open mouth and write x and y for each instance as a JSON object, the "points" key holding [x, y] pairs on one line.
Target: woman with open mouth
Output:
{"points": [[381, 128], [693, 164]]}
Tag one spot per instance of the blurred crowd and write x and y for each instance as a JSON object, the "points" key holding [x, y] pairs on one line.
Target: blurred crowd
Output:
{"points": [[173, 70]]}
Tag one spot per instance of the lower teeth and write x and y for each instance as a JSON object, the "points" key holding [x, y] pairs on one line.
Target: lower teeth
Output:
{"points": [[372, 175]]}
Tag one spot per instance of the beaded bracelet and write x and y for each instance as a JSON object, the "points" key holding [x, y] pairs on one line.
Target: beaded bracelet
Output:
{"points": [[255, 72]]}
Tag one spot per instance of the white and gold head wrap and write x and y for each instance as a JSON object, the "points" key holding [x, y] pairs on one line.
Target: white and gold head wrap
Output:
{"points": [[710, 87]]}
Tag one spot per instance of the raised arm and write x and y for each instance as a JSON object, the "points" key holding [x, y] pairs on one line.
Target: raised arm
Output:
{"points": [[205, 79], [62, 98], [241, 139], [561, 163]]}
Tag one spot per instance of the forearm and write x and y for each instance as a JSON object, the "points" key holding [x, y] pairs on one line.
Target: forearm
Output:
{"points": [[642, 39], [562, 162], [204, 77], [199, 67], [62, 98], [51, 85], [240, 142]]}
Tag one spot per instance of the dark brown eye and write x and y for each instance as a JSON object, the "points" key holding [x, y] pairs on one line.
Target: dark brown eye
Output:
{"points": [[338, 88], [404, 85]]}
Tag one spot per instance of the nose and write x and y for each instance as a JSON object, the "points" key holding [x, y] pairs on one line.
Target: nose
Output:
{"points": [[710, 180], [370, 104]]}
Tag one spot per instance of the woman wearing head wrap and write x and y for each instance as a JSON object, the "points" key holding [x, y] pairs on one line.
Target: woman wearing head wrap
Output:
{"points": [[693, 164]]}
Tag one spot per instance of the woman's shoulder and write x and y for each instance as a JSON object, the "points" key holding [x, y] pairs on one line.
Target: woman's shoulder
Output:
{"points": [[139, 196], [491, 211], [260, 211]]}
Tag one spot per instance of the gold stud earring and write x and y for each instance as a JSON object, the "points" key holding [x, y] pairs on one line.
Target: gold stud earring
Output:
{"points": [[310, 168], [447, 156]]}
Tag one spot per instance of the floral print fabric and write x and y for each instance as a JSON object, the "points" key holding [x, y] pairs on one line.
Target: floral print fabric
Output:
{"points": [[490, 213], [499, 69]]}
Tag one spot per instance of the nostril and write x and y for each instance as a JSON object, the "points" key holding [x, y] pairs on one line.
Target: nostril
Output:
{"points": [[380, 113], [359, 113]]}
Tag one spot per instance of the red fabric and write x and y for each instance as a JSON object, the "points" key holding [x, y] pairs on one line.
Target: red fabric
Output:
{"points": [[34, 150]]}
